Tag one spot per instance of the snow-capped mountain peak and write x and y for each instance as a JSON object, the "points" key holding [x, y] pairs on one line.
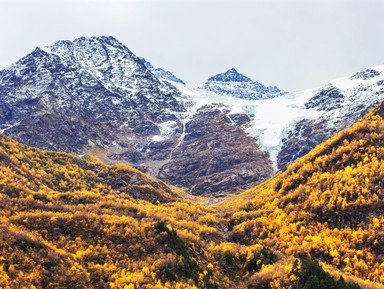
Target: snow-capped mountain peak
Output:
{"points": [[230, 75], [95, 82], [329, 109], [107, 59], [237, 85]]}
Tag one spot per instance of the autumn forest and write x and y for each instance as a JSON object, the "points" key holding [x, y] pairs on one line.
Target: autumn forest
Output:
{"points": [[69, 222]]}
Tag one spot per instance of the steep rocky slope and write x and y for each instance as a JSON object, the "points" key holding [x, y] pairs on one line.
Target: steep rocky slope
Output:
{"points": [[91, 92], [213, 147]]}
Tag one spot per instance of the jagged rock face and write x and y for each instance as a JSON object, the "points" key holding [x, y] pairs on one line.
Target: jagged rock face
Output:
{"points": [[95, 94], [300, 140], [237, 85], [365, 74], [329, 98], [216, 154]]}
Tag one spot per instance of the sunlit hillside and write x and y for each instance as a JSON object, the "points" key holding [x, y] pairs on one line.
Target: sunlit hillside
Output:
{"points": [[75, 223], [327, 205]]}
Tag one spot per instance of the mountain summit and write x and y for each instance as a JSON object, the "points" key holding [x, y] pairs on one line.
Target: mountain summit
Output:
{"points": [[235, 84], [230, 75]]}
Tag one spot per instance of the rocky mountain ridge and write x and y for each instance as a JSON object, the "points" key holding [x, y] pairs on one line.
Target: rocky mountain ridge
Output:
{"points": [[92, 92]]}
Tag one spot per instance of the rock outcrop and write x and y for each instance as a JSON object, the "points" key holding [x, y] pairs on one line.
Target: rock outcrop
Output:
{"points": [[216, 154]]}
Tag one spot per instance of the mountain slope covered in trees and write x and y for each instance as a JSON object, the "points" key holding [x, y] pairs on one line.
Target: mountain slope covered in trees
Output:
{"points": [[68, 222], [327, 205]]}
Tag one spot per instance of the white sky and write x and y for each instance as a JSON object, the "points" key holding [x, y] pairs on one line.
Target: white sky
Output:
{"points": [[294, 44]]}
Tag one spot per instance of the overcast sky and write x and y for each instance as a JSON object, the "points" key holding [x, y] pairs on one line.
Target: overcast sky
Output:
{"points": [[294, 44]]}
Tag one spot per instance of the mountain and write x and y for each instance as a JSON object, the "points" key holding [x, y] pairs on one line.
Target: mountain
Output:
{"points": [[93, 95], [237, 85], [70, 222], [230, 75], [161, 73], [327, 205]]}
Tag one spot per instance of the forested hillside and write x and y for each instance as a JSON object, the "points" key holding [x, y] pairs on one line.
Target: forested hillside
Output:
{"points": [[68, 222], [327, 205]]}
